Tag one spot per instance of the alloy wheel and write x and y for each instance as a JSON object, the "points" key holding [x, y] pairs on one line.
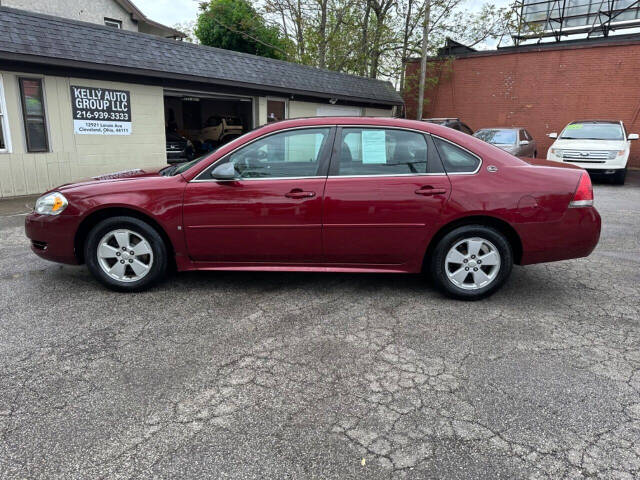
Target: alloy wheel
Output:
{"points": [[125, 255], [472, 263]]}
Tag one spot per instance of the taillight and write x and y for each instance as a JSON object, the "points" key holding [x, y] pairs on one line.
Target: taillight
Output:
{"points": [[584, 193]]}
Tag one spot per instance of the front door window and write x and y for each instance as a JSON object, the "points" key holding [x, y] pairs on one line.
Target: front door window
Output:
{"points": [[294, 153]]}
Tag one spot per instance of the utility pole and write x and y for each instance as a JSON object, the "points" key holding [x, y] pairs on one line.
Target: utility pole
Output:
{"points": [[423, 60]]}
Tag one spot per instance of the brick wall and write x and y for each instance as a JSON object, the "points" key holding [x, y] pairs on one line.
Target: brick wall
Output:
{"points": [[541, 90]]}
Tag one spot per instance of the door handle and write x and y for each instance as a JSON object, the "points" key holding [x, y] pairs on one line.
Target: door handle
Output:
{"points": [[299, 193], [428, 190]]}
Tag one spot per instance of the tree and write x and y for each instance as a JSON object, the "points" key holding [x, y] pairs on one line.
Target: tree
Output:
{"points": [[236, 25], [376, 38], [188, 29], [423, 59]]}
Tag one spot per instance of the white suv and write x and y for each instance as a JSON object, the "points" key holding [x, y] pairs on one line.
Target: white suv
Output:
{"points": [[601, 147]]}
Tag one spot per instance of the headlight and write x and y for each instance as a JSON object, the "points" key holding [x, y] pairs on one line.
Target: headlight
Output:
{"points": [[557, 152], [51, 204]]}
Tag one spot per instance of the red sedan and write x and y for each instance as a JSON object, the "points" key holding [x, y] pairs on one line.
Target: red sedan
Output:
{"points": [[327, 194]]}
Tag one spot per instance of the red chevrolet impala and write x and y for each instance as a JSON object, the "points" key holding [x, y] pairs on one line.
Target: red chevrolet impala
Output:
{"points": [[327, 194]]}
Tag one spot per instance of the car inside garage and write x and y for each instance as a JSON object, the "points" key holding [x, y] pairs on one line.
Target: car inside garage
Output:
{"points": [[197, 123]]}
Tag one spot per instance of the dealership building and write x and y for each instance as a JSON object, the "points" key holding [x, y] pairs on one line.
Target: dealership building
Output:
{"points": [[80, 99]]}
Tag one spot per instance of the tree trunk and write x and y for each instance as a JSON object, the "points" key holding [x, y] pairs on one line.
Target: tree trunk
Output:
{"points": [[380, 9], [300, 31], [375, 51], [365, 38], [405, 46], [423, 60], [322, 33]]}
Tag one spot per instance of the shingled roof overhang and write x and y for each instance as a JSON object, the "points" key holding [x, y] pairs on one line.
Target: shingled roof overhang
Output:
{"points": [[53, 42]]}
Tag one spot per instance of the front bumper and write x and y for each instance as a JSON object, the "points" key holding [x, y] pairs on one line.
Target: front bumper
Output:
{"points": [[53, 237], [618, 163]]}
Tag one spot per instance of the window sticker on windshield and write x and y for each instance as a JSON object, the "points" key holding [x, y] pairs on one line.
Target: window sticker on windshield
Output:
{"points": [[575, 126], [374, 147]]}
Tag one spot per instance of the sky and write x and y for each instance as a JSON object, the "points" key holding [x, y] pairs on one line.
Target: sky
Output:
{"points": [[169, 12]]}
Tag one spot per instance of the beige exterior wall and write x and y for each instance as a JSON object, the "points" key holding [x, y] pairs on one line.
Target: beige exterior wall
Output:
{"points": [[310, 109], [260, 106], [73, 157], [378, 112], [93, 11], [302, 109]]}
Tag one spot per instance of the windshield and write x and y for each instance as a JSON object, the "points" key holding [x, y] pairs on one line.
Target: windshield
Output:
{"points": [[593, 131], [183, 167], [497, 136]]}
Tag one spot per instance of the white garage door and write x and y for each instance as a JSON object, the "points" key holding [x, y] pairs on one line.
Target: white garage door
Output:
{"points": [[338, 111]]}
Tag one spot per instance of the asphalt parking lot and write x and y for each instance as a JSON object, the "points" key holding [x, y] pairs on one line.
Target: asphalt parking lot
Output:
{"points": [[274, 375]]}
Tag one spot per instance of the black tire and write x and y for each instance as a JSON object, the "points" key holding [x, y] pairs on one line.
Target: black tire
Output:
{"points": [[438, 265], [620, 177], [159, 262]]}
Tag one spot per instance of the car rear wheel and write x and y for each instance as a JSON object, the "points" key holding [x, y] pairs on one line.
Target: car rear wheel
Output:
{"points": [[126, 254], [471, 262]]}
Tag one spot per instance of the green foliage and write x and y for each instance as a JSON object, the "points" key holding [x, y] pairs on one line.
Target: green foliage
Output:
{"points": [[236, 25], [375, 38]]}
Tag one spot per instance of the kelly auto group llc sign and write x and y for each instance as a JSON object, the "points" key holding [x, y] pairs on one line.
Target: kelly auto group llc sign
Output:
{"points": [[101, 111]]}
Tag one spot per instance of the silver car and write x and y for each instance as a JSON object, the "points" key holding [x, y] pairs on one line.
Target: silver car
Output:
{"points": [[516, 141]]}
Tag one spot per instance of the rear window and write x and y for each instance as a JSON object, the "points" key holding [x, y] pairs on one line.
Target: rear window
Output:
{"points": [[593, 131], [497, 136], [456, 159]]}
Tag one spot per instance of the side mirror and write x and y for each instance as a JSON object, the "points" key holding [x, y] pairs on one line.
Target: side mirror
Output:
{"points": [[633, 136], [524, 142], [552, 135], [226, 171]]}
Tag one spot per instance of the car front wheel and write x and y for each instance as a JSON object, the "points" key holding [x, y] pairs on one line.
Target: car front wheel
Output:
{"points": [[471, 262], [126, 254]]}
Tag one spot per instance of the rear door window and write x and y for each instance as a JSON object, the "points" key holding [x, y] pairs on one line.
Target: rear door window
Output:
{"points": [[379, 151], [455, 158]]}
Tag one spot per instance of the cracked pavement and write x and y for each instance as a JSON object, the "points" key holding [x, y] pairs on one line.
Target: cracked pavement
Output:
{"points": [[277, 375]]}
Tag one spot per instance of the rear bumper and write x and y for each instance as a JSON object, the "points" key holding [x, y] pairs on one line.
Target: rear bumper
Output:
{"points": [[576, 235], [52, 237]]}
